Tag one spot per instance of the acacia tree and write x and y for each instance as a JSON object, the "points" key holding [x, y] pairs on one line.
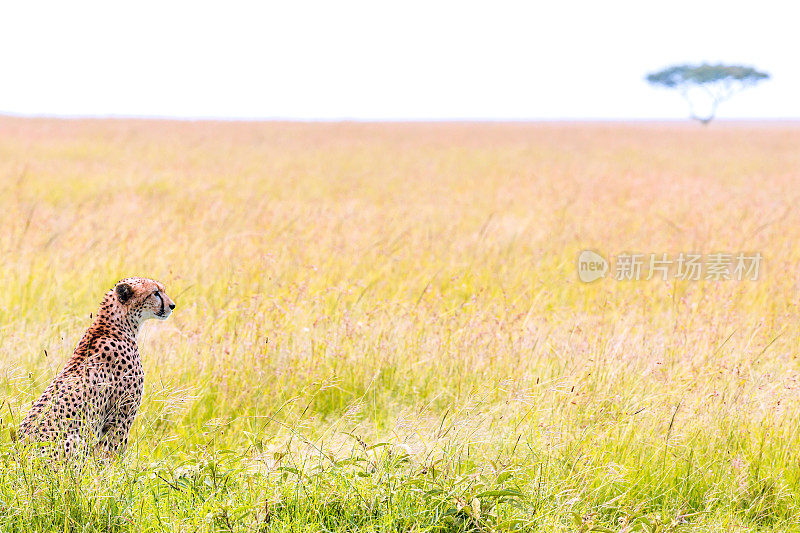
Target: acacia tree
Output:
{"points": [[716, 83]]}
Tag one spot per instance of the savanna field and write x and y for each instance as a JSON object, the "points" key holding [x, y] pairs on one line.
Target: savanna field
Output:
{"points": [[380, 327]]}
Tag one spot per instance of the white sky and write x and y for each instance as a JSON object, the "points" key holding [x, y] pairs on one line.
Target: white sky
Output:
{"points": [[387, 60]]}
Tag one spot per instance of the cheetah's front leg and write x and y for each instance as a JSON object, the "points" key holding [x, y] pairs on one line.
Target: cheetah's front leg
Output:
{"points": [[114, 439], [117, 426]]}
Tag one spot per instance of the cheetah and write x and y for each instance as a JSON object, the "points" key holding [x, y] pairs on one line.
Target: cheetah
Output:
{"points": [[92, 402]]}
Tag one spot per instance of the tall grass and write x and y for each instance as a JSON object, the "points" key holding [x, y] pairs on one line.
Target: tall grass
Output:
{"points": [[380, 327]]}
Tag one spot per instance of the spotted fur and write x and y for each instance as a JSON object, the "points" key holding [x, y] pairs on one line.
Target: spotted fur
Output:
{"points": [[93, 401]]}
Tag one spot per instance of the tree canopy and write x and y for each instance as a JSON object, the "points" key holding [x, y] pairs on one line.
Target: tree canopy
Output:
{"points": [[717, 82]]}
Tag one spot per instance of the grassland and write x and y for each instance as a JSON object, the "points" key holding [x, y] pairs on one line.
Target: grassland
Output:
{"points": [[380, 327]]}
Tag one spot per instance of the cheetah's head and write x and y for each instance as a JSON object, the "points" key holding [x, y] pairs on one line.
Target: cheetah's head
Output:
{"points": [[143, 299]]}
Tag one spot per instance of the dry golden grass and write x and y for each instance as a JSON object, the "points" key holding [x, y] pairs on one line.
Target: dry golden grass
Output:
{"points": [[416, 284]]}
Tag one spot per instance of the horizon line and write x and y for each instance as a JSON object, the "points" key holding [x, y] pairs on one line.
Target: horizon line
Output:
{"points": [[376, 120]]}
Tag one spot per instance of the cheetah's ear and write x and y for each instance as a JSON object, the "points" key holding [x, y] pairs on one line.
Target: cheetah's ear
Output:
{"points": [[124, 292]]}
